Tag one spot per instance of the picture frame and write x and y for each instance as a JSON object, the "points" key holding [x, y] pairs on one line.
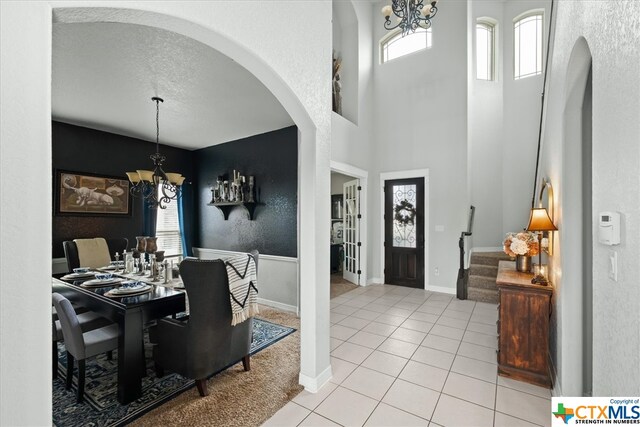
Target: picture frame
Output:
{"points": [[90, 194]]}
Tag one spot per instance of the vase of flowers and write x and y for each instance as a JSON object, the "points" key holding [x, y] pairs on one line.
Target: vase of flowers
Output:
{"points": [[522, 246]]}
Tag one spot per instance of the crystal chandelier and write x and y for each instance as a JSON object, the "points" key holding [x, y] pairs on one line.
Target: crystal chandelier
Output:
{"points": [[156, 187], [411, 14]]}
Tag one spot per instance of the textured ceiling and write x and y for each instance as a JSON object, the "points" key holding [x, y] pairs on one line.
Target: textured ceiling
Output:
{"points": [[104, 75]]}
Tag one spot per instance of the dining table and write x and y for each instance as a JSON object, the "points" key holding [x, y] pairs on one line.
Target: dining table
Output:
{"points": [[131, 313]]}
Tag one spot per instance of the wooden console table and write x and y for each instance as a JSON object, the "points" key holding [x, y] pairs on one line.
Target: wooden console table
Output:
{"points": [[523, 326]]}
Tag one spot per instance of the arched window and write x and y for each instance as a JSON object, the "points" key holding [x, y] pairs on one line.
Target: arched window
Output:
{"points": [[485, 49], [394, 45], [527, 44]]}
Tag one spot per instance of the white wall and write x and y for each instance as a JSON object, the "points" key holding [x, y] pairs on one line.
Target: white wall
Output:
{"points": [[521, 125], [294, 68], [420, 122], [613, 37], [337, 181], [504, 118], [486, 137], [25, 276], [353, 144], [345, 44]]}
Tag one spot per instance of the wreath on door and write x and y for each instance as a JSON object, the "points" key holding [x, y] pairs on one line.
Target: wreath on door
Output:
{"points": [[405, 213]]}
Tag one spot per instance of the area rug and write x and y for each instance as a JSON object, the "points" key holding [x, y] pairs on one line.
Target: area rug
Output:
{"points": [[101, 407]]}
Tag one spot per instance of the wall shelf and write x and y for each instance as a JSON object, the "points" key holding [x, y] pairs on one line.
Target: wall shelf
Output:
{"points": [[227, 207]]}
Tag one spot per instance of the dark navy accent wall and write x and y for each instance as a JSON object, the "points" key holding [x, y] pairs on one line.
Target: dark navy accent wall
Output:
{"points": [[81, 149], [273, 159]]}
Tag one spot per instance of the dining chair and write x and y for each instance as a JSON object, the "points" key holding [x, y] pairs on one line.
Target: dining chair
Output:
{"points": [[88, 320], [81, 345], [70, 247], [204, 342]]}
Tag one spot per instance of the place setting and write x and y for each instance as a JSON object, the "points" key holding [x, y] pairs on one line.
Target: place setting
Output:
{"points": [[129, 288], [101, 280], [79, 273]]}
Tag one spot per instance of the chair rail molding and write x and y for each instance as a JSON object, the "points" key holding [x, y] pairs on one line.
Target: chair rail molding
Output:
{"points": [[278, 284]]}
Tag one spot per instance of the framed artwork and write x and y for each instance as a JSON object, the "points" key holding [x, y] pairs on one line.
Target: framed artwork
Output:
{"points": [[79, 193]]}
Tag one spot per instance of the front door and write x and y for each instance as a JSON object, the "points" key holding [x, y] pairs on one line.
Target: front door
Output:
{"points": [[404, 232]]}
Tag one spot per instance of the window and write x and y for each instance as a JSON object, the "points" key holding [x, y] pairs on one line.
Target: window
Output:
{"points": [[168, 229], [394, 45], [485, 50], [527, 45]]}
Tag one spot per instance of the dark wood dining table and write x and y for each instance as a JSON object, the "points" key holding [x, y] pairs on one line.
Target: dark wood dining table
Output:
{"points": [[131, 314]]}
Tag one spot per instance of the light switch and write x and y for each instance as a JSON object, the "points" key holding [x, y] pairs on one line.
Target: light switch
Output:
{"points": [[613, 265], [439, 227]]}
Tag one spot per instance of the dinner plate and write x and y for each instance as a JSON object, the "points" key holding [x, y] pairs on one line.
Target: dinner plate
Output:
{"points": [[131, 291], [78, 275], [130, 288], [98, 283]]}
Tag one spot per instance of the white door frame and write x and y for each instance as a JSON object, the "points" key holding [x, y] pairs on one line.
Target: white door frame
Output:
{"points": [[414, 173], [362, 175]]}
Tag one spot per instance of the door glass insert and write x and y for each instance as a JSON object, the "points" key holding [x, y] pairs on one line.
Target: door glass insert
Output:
{"points": [[404, 216]]}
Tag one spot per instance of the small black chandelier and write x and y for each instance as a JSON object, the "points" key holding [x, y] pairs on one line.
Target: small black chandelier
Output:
{"points": [[411, 14], [156, 187]]}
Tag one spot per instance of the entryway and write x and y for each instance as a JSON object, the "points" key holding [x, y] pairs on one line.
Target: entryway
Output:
{"points": [[348, 218], [405, 227], [404, 232]]}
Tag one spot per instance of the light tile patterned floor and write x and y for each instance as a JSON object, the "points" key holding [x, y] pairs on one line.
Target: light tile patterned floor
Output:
{"points": [[409, 357]]}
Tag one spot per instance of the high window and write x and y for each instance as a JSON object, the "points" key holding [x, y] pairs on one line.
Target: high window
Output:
{"points": [[485, 50], [394, 45], [168, 229], [527, 45]]}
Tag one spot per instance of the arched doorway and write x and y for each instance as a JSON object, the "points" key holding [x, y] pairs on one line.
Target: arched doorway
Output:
{"points": [[314, 301], [576, 231]]}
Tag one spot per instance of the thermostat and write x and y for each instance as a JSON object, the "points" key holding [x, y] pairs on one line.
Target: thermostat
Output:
{"points": [[609, 228]]}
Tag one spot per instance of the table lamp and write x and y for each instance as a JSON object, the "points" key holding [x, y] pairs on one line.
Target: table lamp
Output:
{"points": [[539, 221]]}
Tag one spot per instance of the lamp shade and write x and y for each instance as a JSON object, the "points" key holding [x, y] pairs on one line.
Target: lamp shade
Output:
{"points": [[540, 221]]}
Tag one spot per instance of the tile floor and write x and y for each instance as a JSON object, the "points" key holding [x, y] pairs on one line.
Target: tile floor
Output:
{"points": [[409, 357]]}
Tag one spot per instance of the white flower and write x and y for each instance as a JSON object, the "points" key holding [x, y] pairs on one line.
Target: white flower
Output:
{"points": [[519, 247]]}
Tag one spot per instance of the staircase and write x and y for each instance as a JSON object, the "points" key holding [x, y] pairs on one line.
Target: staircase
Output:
{"points": [[483, 270]]}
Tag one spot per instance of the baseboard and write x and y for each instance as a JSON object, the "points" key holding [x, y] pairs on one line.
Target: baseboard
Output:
{"points": [[375, 281], [278, 305], [313, 385], [441, 289], [557, 389]]}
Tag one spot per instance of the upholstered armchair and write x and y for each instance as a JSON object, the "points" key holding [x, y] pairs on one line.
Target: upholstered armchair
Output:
{"points": [[73, 260], [205, 343]]}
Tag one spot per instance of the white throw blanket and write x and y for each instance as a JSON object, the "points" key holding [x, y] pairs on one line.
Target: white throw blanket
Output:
{"points": [[243, 287], [93, 253]]}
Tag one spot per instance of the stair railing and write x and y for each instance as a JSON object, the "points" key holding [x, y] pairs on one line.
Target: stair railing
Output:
{"points": [[463, 274]]}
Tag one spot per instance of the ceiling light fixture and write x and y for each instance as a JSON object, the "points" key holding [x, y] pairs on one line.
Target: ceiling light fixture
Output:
{"points": [[411, 14], [156, 187]]}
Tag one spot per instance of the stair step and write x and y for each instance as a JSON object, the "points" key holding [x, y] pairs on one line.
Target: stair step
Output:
{"points": [[482, 282], [489, 258], [483, 295], [483, 270]]}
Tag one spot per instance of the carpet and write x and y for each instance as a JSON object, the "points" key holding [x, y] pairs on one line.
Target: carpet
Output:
{"points": [[101, 407]]}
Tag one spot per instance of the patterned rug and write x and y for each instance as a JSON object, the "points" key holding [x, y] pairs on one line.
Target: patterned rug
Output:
{"points": [[101, 407]]}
